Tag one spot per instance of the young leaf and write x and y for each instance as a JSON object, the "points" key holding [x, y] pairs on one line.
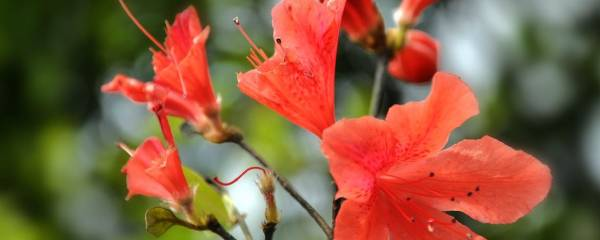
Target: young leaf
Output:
{"points": [[208, 200], [159, 220]]}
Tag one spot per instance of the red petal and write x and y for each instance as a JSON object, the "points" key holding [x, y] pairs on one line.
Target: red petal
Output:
{"points": [[411, 10], [139, 182], [424, 127], [186, 69], [297, 81], [130, 87], [360, 18], [357, 149], [417, 61], [147, 92], [383, 217], [483, 178], [357, 220]]}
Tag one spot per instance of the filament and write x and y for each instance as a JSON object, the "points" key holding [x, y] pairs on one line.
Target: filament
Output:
{"points": [[140, 26]]}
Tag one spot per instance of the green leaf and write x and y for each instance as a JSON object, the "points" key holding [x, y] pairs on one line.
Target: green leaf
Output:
{"points": [[207, 200], [159, 220]]}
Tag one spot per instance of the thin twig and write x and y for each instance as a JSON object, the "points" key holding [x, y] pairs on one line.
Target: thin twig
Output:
{"points": [[242, 222], [214, 226], [379, 81], [290, 189], [269, 230]]}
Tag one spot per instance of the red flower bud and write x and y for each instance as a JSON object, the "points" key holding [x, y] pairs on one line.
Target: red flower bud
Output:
{"points": [[417, 60]]}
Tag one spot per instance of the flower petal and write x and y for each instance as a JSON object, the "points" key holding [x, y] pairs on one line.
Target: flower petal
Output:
{"points": [[139, 182], [410, 10], [424, 127], [417, 61], [383, 217], [185, 70], [360, 220], [297, 81], [360, 18], [483, 178], [357, 149]]}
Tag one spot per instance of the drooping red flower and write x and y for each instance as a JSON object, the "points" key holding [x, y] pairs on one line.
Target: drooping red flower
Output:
{"points": [[397, 180], [298, 80], [417, 60], [410, 10], [363, 23], [154, 171], [182, 80]]}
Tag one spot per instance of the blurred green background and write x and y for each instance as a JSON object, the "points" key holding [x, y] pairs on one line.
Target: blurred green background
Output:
{"points": [[534, 64]]}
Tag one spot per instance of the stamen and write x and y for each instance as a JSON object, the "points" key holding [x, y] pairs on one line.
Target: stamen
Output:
{"points": [[260, 52], [216, 179], [125, 148], [140, 26], [164, 124]]}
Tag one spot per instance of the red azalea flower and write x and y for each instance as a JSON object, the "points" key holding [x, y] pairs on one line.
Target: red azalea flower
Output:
{"points": [[298, 80], [182, 82], [397, 180], [154, 171], [417, 60], [363, 23], [410, 11]]}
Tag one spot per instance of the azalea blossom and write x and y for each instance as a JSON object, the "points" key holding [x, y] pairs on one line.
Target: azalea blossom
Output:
{"points": [[363, 23], [417, 60], [154, 171], [398, 181], [298, 80], [182, 80], [410, 10]]}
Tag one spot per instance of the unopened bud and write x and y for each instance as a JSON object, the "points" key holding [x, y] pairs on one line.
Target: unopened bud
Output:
{"points": [[267, 188]]}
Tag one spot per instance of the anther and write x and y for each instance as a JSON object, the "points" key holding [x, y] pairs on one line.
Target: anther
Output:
{"points": [[236, 20], [216, 179]]}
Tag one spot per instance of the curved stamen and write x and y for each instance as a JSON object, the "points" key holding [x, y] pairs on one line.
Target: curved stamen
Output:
{"points": [[140, 26], [216, 179], [259, 51]]}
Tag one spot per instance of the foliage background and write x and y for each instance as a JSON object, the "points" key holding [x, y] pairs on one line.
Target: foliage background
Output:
{"points": [[534, 64]]}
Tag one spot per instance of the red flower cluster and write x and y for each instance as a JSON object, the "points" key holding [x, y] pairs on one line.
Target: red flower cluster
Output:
{"points": [[394, 174]]}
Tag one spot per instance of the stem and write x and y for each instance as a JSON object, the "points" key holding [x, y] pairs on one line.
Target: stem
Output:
{"points": [[242, 223], [268, 230], [376, 95], [214, 226], [290, 189]]}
